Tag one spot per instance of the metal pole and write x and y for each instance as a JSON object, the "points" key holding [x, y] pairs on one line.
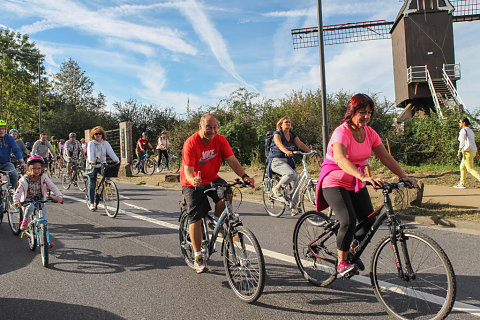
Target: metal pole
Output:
{"points": [[322, 80], [39, 99]]}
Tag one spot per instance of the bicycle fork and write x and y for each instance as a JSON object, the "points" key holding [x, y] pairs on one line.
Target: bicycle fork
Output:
{"points": [[402, 261]]}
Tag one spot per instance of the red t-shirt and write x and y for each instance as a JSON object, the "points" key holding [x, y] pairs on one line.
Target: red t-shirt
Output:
{"points": [[144, 144], [204, 158]]}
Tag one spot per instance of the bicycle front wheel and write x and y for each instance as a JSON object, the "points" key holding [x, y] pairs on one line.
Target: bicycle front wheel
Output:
{"points": [[315, 248], [244, 264], [426, 287], [42, 233], [66, 180], [150, 166], [185, 244], [79, 181], [308, 196], [135, 166], [273, 205], [111, 200], [174, 163], [14, 214]]}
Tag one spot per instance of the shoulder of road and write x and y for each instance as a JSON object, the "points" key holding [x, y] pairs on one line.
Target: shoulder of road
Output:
{"points": [[461, 198]]}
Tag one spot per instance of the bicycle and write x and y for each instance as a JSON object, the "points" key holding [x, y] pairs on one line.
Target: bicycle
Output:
{"points": [[173, 162], [55, 169], [147, 164], [406, 266], [37, 229], [306, 187], [73, 177], [105, 190], [6, 198], [242, 255]]}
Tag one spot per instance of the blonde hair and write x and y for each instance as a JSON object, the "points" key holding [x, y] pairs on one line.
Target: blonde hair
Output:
{"points": [[98, 129], [280, 122]]}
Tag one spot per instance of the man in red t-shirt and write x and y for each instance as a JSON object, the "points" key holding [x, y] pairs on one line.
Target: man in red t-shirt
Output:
{"points": [[202, 157], [141, 148]]}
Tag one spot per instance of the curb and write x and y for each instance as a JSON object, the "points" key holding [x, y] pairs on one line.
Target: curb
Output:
{"points": [[445, 223]]}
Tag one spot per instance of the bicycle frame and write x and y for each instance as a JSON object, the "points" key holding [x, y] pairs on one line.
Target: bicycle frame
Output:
{"points": [[38, 219], [211, 240]]}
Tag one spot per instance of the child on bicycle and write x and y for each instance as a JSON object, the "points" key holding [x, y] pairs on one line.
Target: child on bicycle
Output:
{"points": [[34, 185]]}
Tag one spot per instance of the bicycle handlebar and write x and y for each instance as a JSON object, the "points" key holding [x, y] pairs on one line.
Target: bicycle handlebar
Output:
{"points": [[214, 186], [23, 203], [305, 153], [392, 185]]}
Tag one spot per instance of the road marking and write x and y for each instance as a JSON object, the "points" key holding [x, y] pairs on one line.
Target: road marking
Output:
{"points": [[458, 306]]}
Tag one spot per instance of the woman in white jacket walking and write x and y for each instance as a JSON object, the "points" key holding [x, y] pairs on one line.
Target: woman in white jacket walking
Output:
{"points": [[97, 150], [467, 149]]}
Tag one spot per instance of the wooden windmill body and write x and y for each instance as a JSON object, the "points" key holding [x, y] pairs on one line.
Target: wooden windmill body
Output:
{"points": [[425, 71]]}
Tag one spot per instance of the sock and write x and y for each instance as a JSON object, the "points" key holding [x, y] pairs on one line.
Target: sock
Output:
{"points": [[198, 254]]}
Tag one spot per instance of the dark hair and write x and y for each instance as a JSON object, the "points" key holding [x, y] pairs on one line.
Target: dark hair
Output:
{"points": [[358, 102], [466, 121]]}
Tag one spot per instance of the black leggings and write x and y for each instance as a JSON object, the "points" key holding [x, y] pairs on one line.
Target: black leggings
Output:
{"points": [[165, 154], [349, 207]]}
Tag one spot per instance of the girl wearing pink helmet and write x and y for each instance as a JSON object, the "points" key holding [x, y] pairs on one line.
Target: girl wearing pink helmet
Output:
{"points": [[34, 184]]}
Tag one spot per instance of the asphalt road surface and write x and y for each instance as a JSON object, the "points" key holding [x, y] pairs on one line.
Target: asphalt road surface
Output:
{"points": [[131, 268]]}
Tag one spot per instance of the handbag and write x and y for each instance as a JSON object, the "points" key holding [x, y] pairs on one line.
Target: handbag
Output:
{"points": [[89, 169]]}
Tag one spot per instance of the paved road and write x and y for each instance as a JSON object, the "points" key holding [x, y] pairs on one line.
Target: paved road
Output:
{"points": [[130, 268]]}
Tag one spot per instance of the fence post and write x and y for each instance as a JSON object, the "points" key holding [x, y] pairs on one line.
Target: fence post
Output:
{"points": [[126, 148]]}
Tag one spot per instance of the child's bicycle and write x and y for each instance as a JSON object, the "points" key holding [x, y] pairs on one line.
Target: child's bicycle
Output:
{"points": [[242, 255], [106, 190], [37, 229], [6, 205], [411, 275], [147, 164]]}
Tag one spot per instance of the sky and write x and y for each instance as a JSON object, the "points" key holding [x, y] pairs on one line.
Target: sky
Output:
{"points": [[170, 53]]}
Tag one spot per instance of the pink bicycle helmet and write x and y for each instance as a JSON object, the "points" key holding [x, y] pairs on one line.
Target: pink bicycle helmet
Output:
{"points": [[35, 158]]}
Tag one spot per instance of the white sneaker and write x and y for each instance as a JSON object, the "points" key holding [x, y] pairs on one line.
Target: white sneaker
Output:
{"points": [[294, 211], [158, 170], [460, 186], [91, 206], [277, 192]]}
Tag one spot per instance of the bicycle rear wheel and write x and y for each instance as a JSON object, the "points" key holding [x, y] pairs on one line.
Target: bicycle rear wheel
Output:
{"points": [[273, 205], [111, 200], [315, 248], [174, 163], [244, 264], [150, 166], [185, 244], [14, 214], [427, 291], [42, 233]]}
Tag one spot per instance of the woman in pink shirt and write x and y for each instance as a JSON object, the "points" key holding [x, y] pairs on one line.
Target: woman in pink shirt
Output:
{"points": [[343, 173]]}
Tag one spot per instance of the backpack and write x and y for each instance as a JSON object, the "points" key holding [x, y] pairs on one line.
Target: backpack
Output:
{"points": [[268, 142]]}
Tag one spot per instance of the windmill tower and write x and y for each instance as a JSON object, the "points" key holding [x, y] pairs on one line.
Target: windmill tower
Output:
{"points": [[425, 72]]}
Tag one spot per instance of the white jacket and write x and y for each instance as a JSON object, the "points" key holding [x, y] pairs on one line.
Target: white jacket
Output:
{"points": [[100, 157]]}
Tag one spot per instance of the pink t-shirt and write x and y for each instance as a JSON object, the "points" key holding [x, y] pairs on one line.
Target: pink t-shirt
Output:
{"points": [[357, 153]]}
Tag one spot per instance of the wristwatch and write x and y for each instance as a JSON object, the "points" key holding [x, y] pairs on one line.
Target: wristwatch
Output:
{"points": [[245, 176]]}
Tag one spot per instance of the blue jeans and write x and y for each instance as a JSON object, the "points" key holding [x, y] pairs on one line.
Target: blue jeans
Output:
{"points": [[92, 182], [12, 176]]}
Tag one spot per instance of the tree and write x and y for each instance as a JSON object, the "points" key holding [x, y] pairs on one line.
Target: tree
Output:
{"points": [[19, 81]]}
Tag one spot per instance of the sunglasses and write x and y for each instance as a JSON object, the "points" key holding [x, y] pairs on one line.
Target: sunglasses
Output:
{"points": [[98, 134]]}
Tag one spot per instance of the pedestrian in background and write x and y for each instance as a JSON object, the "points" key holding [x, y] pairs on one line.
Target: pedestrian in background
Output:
{"points": [[467, 150]]}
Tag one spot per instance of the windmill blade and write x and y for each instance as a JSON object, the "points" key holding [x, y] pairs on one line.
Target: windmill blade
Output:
{"points": [[466, 10], [342, 33]]}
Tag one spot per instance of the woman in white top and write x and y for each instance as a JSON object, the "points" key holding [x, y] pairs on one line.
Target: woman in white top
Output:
{"points": [[97, 150], [162, 145], [469, 150]]}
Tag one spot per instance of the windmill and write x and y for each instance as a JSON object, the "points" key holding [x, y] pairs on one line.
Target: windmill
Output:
{"points": [[425, 72]]}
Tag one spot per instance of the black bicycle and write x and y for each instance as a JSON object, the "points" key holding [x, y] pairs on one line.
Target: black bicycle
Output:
{"points": [[242, 255], [75, 177], [411, 275], [6, 205], [106, 190]]}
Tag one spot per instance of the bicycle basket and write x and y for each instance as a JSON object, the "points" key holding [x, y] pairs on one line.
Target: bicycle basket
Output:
{"points": [[110, 170]]}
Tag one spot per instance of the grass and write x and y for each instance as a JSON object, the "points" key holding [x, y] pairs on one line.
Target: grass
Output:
{"points": [[445, 211]]}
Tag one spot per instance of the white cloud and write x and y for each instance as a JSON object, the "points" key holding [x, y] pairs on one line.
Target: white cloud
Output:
{"points": [[223, 89], [211, 36], [70, 14]]}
